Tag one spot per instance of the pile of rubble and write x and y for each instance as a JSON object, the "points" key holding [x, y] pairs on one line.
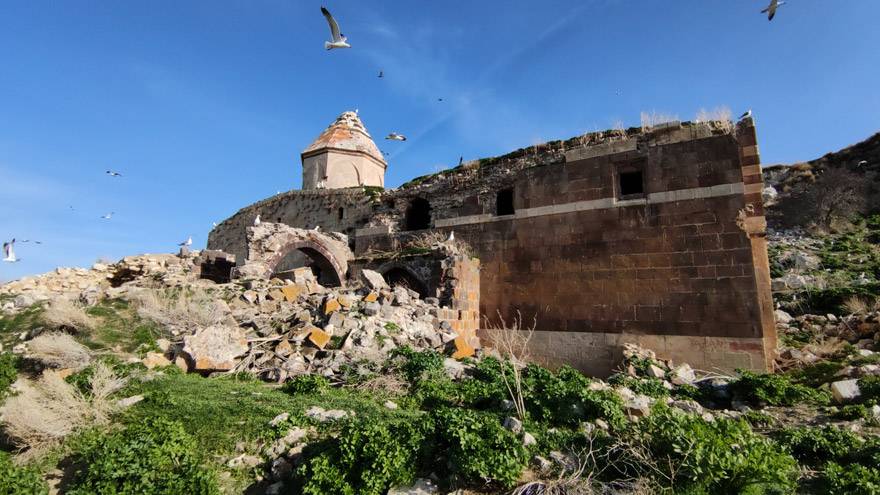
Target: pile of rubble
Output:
{"points": [[272, 328]]}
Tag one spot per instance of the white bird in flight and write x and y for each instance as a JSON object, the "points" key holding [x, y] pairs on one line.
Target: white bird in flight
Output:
{"points": [[9, 252], [771, 9], [108, 216], [112, 173], [29, 240], [188, 242], [396, 137], [257, 221], [337, 39]]}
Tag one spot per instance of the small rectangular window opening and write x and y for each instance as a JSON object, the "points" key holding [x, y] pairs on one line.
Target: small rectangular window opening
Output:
{"points": [[341, 213], [631, 184], [504, 202]]}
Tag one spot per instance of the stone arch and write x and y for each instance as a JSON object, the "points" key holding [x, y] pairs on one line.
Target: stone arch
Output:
{"points": [[270, 243], [397, 273]]}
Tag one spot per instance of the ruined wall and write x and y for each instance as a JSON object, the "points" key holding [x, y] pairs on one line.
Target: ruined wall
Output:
{"points": [[302, 209], [679, 264], [681, 267]]}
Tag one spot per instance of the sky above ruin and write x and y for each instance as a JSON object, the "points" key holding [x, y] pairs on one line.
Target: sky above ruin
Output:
{"points": [[204, 106]]}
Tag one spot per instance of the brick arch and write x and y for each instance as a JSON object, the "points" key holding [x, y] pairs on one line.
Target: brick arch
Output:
{"points": [[422, 287], [269, 243], [315, 250]]}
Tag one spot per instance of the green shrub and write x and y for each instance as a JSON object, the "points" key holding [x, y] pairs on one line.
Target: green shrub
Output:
{"points": [[155, 456], [367, 457], [652, 387], [870, 388], [758, 419], [20, 480], [816, 446], [853, 412], [8, 372], [564, 398], [307, 384], [761, 389], [852, 479], [723, 456], [418, 364], [477, 447]]}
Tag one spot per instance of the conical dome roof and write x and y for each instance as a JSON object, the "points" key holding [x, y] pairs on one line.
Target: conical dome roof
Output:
{"points": [[347, 133]]}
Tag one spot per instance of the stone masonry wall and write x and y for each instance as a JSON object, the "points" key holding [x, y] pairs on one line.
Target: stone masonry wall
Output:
{"points": [[301, 209]]}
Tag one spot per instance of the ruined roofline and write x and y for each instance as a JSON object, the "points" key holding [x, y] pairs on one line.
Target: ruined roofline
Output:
{"points": [[588, 145], [347, 192]]}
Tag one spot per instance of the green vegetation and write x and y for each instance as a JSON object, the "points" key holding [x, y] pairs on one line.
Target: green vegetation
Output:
{"points": [[723, 456], [153, 457], [8, 372], [815, 446], [307, 384], [20, 480], [759, 389], [119, 326]]}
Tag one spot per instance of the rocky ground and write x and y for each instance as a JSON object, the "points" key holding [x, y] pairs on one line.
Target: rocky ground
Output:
{"points": [[139, 367]]}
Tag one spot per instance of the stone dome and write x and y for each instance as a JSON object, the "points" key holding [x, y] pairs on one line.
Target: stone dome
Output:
{"points": [[347, 133]]}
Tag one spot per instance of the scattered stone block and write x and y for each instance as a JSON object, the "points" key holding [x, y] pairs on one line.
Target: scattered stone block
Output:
{"points": [[371, 297], [373, 280], [155, 360], [319, 337], [529, 439], [420, 487], [462, 348], [845, 391], [215, 348], [513, 424], [291, 292], [331, 305]]}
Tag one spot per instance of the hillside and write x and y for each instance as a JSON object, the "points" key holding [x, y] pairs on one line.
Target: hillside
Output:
{"points": [[821, 191]]}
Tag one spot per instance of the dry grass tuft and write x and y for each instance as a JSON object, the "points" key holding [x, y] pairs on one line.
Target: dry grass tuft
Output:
{"points": [[512, 343], [654, 119], [719, 114], [58, 350], [66, 315], [187, 310], [856, 305], [388, 383], [426, 240], [50, 409]]}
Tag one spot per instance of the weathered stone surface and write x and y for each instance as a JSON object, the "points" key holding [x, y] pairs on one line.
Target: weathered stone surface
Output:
{"points": [[292, 292], [319, 337], [462, 348], [215, 348], [420, 487], [845, 391], [373, 280], [513, 424], [331, 305], [155, 360]]}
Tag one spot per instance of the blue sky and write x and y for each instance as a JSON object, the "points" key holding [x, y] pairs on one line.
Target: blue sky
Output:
{"points": [[204, 106]]}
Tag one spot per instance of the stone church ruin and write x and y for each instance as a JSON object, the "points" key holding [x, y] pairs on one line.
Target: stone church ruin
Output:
{"points": [[653, 236]]}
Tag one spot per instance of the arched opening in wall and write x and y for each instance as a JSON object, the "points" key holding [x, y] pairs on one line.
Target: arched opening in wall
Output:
{"points": [[320, 266], [418, 214], [404, 278]]}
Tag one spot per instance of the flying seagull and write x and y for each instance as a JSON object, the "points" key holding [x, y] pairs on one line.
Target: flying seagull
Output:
{"points": [[108, 216], [28, 240], [188, 242], [257, 221], [396, 137], [214, 223], [746, 115], [112, 173], [9, 252], [381, 74], [338, 40], [439, 99], [771, 9]]}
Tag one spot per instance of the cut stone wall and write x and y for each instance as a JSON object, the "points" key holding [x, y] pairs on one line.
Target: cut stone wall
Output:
{"points": [[302, 209], [680, 266]]}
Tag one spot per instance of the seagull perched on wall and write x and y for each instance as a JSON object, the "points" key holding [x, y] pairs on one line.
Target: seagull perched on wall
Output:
{"points": [[187, 243], [107, 216], [862, 163], [317, 228], [460, 160], [112, 173], [451, 236], [771, 9], [9, 252], [746, 115], [337, 39], [257, 221], [396, 137]]}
